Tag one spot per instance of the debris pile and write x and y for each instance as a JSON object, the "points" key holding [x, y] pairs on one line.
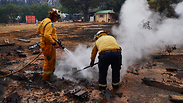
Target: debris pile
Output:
{"points": [[156, 79]]}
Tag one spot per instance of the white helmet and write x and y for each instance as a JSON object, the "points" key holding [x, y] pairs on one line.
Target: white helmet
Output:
{"points": [[99, 34], [58, 13]]}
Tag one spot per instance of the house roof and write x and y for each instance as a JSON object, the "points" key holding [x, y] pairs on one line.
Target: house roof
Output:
{"points": [[105, 11]]}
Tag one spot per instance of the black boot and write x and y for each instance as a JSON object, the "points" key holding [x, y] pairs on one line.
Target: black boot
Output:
{"points": [[53, 78], [102, 88], [115, 87]]}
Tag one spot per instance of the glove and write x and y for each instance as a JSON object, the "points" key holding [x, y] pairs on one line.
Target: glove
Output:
{"points": [[92, 63], [59, 41]]}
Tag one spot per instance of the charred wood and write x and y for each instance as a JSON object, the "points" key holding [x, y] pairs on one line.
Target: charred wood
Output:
{"points": [[18, 77], [175, 99], [162, 85], [7, 44]]}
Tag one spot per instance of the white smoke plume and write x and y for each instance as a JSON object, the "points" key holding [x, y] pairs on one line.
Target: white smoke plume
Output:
{"points": [[179, 9], [82, 56], [135, 40]]}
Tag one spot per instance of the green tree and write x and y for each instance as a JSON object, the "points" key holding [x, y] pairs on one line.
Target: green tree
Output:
{"points": [[34, 10], [163, 7], [11, 11], [63, 9], [24, 10], [71, 6], [43, 11], [114, 4], [75, 6], [3, 16]]}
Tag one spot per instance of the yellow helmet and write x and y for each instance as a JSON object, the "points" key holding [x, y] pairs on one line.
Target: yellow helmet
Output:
{"points": [[99, 34]]}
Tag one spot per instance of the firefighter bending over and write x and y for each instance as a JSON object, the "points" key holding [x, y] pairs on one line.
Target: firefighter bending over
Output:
{"points": [[47, 31], [109, 54]]}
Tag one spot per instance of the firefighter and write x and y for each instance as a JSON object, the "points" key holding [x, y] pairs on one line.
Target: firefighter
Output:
{"points": [[47, 31], [109, 54]]}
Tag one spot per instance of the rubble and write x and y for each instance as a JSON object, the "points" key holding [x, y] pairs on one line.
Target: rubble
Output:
{"points": [[21, 53], [162, 84], [171, 69], [28, 84], [62, 34], [176, 99], [36, 78], [78, 94], [179, 75], [13, 98], [6, 41], [35, 45], [18, 77], [36, 52], [26, 41], [7, 44]]}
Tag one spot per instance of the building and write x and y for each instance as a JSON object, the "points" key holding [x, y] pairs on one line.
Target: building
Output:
{"points": [[104, 16]]}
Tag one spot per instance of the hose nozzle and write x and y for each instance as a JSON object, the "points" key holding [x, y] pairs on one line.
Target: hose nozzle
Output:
{"points": [[59, 41]]}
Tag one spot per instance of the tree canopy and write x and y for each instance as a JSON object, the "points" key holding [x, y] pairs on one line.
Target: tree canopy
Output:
{"points": [[164, 7], [9, 12], [114, 4], [75, 6]]}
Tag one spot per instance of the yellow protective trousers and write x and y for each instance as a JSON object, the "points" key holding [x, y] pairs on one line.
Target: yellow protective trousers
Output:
{"points": [[49, 62]]}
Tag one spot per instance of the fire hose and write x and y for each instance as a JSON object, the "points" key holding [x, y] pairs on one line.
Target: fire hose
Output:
{"points": [[22, 67], [59, 42], [30, 61]]}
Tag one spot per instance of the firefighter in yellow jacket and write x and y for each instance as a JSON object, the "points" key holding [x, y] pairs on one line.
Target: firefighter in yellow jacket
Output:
{"points": [[47, 31], [109, 54]]}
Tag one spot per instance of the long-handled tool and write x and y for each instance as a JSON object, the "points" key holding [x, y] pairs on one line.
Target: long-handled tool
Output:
{"points": [[84, 68], [80, 70]]}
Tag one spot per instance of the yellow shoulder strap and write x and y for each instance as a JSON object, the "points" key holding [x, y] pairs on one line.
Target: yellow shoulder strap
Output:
{"points": [[46, 25]]}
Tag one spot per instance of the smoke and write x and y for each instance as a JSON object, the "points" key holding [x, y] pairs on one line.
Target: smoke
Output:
{"points": [[67, 64], [179, 9], [135, 38], [138, 41]]}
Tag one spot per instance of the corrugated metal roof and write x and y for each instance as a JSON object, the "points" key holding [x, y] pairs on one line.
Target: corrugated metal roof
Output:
{"points": [[105, 11]]}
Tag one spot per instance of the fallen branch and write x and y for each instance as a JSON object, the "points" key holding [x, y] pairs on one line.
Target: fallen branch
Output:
{"points": [[162, 85], [176, 99], [7, 44], [26, 41]]}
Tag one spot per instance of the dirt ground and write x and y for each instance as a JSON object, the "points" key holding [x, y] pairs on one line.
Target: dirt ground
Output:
{"points": [[132, 89]]}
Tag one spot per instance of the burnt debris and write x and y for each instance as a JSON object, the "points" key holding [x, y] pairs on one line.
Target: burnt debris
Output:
{"points": [[78, 94]]}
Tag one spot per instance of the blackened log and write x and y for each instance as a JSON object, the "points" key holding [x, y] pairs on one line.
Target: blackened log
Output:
{"points": [[171, 69], [7, 44], [175, 99], [162, 85]]}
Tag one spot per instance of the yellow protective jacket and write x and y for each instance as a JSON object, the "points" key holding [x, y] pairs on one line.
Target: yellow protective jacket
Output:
{"points": [[47, 32], [105, 42]]}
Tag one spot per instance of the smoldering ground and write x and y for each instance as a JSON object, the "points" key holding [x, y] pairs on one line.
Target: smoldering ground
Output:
{"points": [[135, 40]]}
